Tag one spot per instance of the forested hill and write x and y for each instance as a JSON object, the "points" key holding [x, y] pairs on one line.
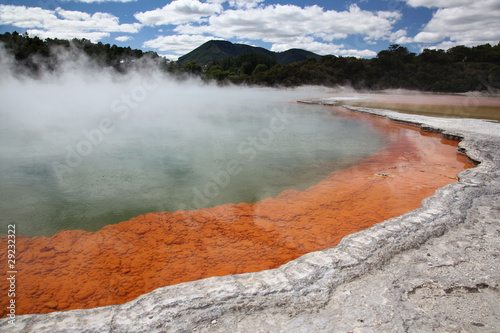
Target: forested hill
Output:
{"points": [[217, 50], [33, 55], [458, 69]]}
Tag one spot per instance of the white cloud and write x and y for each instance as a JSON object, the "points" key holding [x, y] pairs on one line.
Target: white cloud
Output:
{"points": [[23, 17], [60, 23], [92, 36], [179, 44], [356, 53], [179, 12], [123, 38], [284, 23], [244, 3], [400, 37], [171, 57], [99, 1], [441, 46], [239, 3], [197, 20], [429, 37], [438, 3], [462, 23], [322, 48], [330, 37], [285, 26]]}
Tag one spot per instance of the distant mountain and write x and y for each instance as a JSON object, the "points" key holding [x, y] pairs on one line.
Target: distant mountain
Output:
{"points": [[215, 50]]}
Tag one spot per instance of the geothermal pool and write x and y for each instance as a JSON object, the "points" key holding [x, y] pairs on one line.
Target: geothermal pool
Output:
{"points": [[119, 188], [77, 269], [62, 169]]}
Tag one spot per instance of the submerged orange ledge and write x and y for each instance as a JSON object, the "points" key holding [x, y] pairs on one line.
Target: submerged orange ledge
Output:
{"points": [[77, 269]]}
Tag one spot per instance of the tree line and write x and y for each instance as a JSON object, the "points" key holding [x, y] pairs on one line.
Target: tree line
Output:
{"points": [[458, 69]]}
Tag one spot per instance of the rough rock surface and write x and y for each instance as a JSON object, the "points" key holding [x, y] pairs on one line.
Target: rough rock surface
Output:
{"points": [[436, 268]]}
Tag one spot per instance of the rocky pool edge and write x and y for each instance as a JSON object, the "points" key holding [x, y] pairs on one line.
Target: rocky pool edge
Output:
{"points": [[309, 281]]}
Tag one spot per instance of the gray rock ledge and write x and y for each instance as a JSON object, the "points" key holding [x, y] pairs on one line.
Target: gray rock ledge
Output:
{"points": [[434, 269]]}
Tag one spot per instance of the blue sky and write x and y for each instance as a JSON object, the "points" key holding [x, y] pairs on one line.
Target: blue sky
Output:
{"points": [[345, 28]]}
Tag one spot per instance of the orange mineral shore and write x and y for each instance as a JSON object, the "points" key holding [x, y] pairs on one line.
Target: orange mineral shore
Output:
{"points": [[77, 269]]}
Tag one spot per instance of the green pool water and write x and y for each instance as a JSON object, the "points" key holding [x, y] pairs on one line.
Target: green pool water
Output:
{"points": [[80, 162]]}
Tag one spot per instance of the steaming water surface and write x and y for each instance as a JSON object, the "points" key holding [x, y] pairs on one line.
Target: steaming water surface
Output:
{"points": [[81, 154]]}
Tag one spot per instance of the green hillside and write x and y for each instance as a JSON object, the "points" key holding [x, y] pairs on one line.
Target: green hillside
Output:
{"points": [[216, 50]]}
